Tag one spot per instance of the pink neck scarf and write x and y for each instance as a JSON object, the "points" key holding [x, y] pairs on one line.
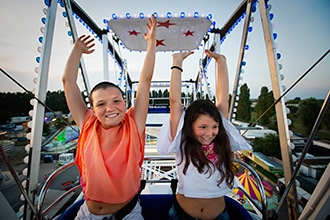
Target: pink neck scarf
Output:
{"points": [[210, 153]]}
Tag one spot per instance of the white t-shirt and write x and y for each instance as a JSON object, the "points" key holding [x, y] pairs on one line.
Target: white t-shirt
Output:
{"points": [[194, 184]]}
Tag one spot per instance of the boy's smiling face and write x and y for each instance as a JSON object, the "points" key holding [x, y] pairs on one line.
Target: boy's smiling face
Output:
{"points": [[108, 106]]}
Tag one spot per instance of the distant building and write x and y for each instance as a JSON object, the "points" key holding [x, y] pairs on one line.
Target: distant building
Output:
{"points": [[20, 119], [314, 167], [257, 133], [252, 132]]}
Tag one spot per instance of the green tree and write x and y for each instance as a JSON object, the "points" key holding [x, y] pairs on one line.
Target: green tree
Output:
{"points": [[166, 93], [153, 94], [268, 145], [265, 100], [5, 116], [56, 101], [326, 119], [308, 111], [17, 103], [23, 102], [244, 104], [160, 93], [272, 124], [261, 105]]}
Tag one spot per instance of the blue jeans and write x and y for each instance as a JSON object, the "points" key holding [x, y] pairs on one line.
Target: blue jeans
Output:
{"points": [[173, 215]]}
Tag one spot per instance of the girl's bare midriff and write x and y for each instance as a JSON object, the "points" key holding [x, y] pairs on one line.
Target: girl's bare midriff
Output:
{"points": [[204, 209], [99, 208]]}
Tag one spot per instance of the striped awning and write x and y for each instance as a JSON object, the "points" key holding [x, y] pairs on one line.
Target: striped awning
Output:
{"points": [[251, 187]]}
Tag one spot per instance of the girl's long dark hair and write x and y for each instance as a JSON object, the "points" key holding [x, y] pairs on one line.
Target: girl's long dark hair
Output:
{"points": [[192, 150]]}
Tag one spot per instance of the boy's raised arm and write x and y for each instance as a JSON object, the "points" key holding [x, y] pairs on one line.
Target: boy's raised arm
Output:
{"points": [[142, 96], [76, 104]]}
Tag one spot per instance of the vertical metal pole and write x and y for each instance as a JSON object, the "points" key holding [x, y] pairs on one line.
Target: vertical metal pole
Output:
{"points": [[306, 148], [317, 206], [282, 123], [73, 29], [39, 109], [200, 79], [105, 57], [240, 59]]}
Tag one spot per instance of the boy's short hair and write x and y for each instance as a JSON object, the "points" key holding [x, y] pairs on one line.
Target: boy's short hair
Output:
{"points": [[104, 85]]}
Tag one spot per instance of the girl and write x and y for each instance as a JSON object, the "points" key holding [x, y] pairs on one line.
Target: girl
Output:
{"points": [[203, 140]]}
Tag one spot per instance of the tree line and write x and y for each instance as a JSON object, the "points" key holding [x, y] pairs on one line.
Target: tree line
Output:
{"points": [[247, 109], [306, 111], [19, 104]]}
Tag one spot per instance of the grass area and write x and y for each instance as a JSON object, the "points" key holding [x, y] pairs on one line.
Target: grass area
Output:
{"points": [[297, 127], [323, 133]]}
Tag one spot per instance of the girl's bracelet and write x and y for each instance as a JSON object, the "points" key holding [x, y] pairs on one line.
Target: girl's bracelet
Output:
{"points": [[177, 67]]}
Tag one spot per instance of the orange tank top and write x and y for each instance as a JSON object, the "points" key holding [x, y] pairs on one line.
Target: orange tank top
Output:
{"points": [[109, 160]]}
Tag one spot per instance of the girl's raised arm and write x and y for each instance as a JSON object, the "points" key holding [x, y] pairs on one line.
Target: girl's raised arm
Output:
{"points": [[175, 90]]}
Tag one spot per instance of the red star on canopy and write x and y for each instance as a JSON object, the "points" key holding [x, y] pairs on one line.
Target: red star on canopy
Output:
{"points": [[165, 24], [160, 43], [189, 33], [134, 32]]}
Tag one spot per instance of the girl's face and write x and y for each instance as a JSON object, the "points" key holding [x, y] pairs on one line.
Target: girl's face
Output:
{"points": [[205, 128], [108, 106]]}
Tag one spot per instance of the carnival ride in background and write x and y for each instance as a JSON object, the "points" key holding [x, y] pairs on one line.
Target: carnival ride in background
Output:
{"points": [[63, 141], [158, 171]]}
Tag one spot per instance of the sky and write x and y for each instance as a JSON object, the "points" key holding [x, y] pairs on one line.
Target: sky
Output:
{"points": [[302, 27]]}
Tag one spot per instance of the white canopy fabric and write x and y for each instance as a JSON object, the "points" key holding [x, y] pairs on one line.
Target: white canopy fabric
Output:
{"points": [[173, 34]]}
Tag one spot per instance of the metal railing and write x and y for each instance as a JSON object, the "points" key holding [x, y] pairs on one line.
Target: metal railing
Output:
{"points": [[155, 169], [46, 186]]}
